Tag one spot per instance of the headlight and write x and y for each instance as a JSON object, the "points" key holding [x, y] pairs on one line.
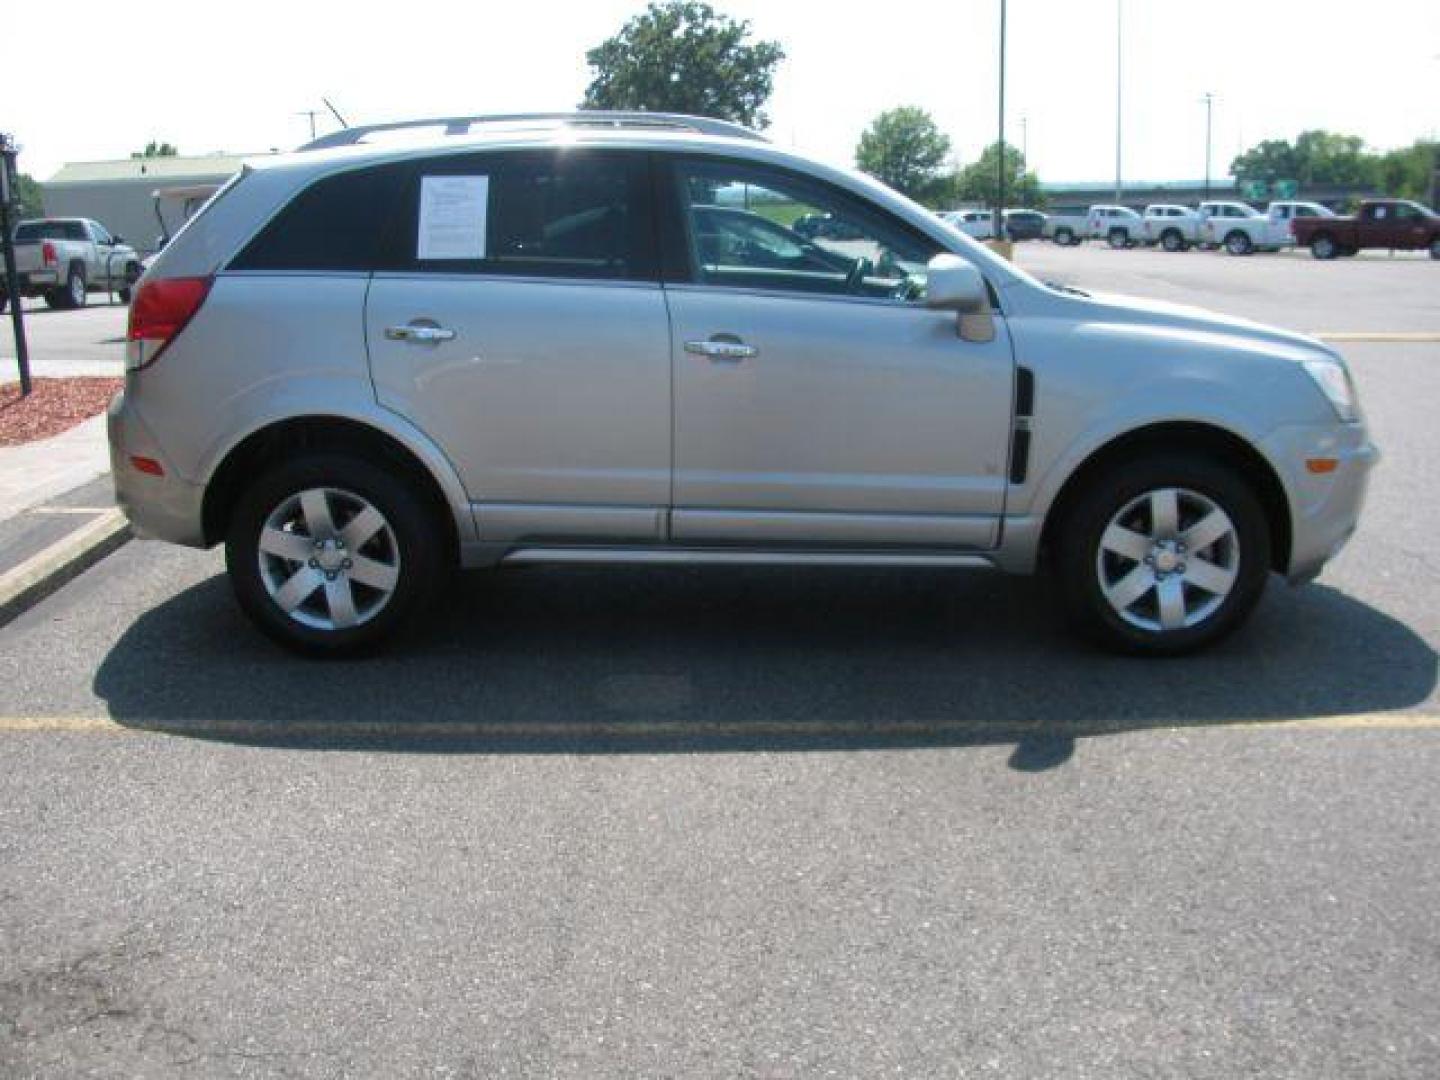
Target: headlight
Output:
{"points": [[1334, 382]]}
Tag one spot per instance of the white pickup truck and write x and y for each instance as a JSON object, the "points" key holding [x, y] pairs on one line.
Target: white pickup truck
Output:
{"points": [[66, 259], [1238, 228], [1170, 225], [1118, 226], [1281, 214], [1065, 225]]}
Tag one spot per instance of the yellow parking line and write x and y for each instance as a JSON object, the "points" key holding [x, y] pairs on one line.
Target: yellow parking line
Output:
{"points": [[1397, 337], [370, 729]]}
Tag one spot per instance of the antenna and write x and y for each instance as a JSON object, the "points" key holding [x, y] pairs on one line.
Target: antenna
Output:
{"points": [[334, 112]]}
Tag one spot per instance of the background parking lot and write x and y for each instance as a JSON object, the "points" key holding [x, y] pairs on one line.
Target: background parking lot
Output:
{"points": [[758, 822]]}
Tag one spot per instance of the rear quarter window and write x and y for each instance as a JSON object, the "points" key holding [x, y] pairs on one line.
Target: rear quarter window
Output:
{"points": [[338, 223]]}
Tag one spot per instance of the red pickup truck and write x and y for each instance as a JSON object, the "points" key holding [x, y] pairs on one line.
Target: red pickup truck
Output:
{"points": [[1396, 224]]}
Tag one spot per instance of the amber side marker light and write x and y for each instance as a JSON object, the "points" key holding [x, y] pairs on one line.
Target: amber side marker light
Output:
{"points": [[147, 465], [1322, 465]]}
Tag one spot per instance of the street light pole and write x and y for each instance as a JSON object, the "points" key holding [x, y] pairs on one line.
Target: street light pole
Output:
{"points": [[1209, 100], [9, 192], [1119, 90], [1000, 168]]}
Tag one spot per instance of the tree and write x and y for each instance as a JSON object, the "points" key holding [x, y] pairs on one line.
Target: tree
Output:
{"points": [[27, 198], [906, 150], [978, 182], [154, 149], [682, 56], [1316, 157], [1406, 173]]}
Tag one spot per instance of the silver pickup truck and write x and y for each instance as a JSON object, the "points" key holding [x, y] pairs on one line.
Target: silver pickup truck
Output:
{"points": [[66, 259]]}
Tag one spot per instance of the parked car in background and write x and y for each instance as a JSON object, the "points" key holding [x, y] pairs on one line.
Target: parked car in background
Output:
{"points": [[1238, 228], [1024, 224], [1396, 224], [361, 370], [977, 223], [1118, 226], [1066, 224], [825, 227], [1171, 226], [66, 259], [1280, 214]]}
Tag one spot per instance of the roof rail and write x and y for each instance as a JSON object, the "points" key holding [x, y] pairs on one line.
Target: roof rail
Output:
{"points": [[597, 118]]}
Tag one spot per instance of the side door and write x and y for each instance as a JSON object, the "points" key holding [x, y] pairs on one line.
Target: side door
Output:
{"points": [[1379, 227], [521, 324], [818, 403], [1411, 227]]}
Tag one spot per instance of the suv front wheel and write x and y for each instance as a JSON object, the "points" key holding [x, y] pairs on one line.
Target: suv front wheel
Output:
{"points": [[331, 554], [1162, 556]]}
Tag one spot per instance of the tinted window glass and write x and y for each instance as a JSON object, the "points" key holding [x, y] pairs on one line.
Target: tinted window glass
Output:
{"points": [[748, 226], [101, 236], [338, 223], [570, 214]]}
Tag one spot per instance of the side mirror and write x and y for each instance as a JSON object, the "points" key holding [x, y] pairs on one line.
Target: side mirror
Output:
{"points": [[116, 241], [952, 284]]}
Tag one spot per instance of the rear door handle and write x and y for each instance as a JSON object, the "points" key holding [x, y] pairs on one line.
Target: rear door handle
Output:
{"points": [[419, 334], [722, 348]]}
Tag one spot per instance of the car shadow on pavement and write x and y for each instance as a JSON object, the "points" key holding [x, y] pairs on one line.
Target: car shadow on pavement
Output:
{"points": [[647, 660]]}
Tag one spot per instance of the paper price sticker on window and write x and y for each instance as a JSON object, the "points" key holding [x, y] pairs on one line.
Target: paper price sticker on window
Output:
{"points": [[452, 217]]}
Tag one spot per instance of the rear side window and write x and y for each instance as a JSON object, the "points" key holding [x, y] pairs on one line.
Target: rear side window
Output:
{"points": [[338, 223], [563, 214]]}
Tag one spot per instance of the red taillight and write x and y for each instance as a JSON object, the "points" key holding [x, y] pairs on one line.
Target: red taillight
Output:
{"points": [[47, 254], [158, 312]]}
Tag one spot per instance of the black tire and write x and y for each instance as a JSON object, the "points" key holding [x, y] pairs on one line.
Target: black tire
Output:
{"points": [[1117, 239], [55, 299], [1239, 243], [1064, 237], [1077, 537], [1323, 246], [76, 292], [1171, 240], [420, 554], [123, 294], [4, 301], [1434, 253]]}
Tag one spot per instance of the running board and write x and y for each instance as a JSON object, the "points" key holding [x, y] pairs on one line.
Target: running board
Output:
{"points": [[712, 557]]}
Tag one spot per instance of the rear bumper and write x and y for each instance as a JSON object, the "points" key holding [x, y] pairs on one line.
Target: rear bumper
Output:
{"points": [[160, 507], [38, 279], [1324, 507]]}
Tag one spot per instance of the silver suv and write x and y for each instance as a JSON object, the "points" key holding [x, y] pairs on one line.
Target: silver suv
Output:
{"points": [[599, 338]]}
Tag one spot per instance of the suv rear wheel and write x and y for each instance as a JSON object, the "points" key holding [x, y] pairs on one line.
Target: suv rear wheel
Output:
{"points": [[331, 554], [1162, 556]]}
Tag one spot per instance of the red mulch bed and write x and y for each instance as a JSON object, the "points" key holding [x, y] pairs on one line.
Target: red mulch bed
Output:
{"points": [[53, 406]]}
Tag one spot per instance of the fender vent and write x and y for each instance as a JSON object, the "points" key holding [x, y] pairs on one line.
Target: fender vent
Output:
{"points": [[1020, 436]]}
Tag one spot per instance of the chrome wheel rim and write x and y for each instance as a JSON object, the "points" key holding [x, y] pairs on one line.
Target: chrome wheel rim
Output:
{"points": [[329, 559], [1168, 560], [77, 289], [1324, 248]]}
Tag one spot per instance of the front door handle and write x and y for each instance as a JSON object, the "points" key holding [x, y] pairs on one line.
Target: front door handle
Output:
{"points": [[725, 347], [419, 334]]}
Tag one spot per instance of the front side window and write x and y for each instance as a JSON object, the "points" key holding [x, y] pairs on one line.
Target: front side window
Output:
{"points": [[101, 236], [748, 226]]}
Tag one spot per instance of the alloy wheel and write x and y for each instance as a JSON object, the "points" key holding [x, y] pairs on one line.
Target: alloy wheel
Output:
{"points": [[328, 558], [1168, 559]]}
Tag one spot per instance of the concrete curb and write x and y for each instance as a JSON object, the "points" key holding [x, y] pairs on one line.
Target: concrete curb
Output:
{"points": [[40, 575]]}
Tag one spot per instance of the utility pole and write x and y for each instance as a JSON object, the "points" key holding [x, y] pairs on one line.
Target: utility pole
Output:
{"points": [[1000, 168], [10, 193], [1209, 101], [311, 113], [1025, 139], [1119, 98]]}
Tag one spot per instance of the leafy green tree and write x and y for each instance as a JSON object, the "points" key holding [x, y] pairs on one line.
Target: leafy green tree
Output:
{"points": [[27, 198], [1316, 157], [906, 150], [156, 149], [682, 56], [978, 182], [1407, 173]]}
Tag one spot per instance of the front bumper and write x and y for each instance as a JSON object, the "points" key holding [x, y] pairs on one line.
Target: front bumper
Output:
{"points": [[160, 507], [1324, 506]]}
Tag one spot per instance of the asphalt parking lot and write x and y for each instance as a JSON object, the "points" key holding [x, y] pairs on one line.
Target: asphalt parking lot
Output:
{"points": [[748, 823]]}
